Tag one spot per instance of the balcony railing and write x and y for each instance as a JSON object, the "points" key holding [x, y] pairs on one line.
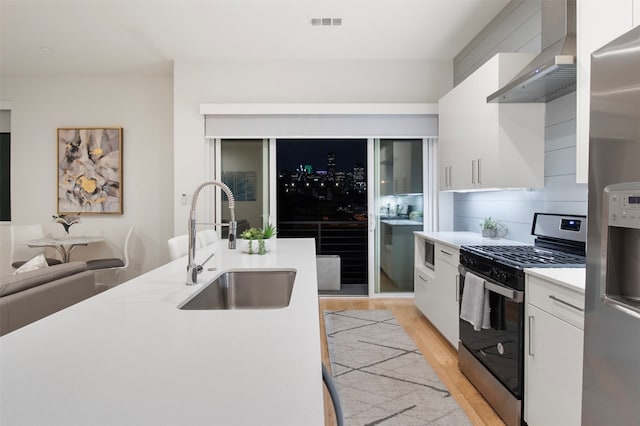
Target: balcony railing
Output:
{"points": [[348, 239]]}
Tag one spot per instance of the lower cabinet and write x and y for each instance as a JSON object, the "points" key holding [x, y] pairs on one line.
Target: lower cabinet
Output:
{"points": [[396, 258], [436, 291], [423, 282], [553, 354]]}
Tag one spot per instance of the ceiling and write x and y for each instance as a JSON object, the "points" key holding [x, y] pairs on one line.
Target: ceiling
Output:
{"points": [[144, 36]]}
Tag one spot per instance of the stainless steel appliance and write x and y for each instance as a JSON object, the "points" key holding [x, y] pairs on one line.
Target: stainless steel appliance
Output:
{"points": [[552, 73], [492, 358], [429, 254], [611, 372]]}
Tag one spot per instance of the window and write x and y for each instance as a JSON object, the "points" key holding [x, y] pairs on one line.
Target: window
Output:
{"points": [[5, 176]]}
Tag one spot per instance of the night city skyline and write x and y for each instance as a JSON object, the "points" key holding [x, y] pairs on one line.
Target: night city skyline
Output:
{"points": [[321, 179], [314, 152]]}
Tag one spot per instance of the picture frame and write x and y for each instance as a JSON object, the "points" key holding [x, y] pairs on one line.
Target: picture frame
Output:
{"points": [[89, 170]]}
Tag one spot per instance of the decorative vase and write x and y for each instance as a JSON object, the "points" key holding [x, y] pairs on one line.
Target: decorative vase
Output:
{"points": [[490, 233], [259, 246], [66, 221]]}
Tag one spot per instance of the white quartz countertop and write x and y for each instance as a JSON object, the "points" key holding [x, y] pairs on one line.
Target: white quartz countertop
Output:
{"points": [[572, 278], [129, 356], [458, 239], [401, 222]]}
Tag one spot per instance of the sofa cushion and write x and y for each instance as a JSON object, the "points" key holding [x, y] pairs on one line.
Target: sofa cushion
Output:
{"points": [[15, 283], [37, 262], [50, 260], [111, 262]]}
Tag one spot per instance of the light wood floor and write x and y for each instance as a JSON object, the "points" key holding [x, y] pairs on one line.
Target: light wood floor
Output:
{"points": [[436, 349]]}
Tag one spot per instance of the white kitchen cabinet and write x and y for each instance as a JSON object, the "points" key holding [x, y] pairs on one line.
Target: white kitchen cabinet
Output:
{"points": [[436, 291], [553, 354], [386, 169], [396, 255], [424, 280], [487, 145], [407, 167], [597, 23], [400, 167]]}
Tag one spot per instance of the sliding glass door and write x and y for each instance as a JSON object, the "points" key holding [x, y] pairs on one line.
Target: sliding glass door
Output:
{"points": [[322, 194], [243, 164], [399, 211], [361, 199]]}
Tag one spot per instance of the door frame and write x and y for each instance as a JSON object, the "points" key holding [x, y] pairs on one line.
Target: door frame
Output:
{"points": [[246, 113]]}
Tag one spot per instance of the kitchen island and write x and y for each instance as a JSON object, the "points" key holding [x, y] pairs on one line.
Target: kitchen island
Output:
{"points": [[129, 356]]}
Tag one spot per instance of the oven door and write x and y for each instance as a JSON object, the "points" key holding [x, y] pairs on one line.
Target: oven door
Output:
{"points": [[501, 348]]}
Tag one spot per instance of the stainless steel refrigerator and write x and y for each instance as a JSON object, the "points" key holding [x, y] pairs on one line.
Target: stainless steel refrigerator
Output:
{"points": [[611, 373]]}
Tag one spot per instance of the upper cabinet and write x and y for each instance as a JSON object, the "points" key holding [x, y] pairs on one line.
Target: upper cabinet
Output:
{"points": [[400, 166], [487, 145], [598, 22], [407, 167]]}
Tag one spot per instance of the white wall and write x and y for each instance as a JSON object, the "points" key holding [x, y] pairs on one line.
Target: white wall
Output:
{"points": [[295, 82], [142, 106]]}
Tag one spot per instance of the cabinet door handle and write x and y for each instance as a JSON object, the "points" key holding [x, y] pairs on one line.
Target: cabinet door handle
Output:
{"points": [[446, 252], [531, 321], [473, 171], [423, 278], [457, 288], [555, 299], [478, 171]]}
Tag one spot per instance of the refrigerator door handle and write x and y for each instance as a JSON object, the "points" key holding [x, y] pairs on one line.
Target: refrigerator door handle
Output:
{"points": [[615, 304]]}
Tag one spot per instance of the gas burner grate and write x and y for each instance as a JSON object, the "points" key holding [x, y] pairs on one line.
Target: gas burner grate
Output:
{"points": [[529, 255]]}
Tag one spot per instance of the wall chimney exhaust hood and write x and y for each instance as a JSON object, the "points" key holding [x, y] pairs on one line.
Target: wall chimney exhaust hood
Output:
{"points": [[552, 73]]}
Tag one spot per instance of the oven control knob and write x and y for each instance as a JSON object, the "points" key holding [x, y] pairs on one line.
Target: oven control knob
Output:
{"points": [[502, 276], [500, 348], [493, 273]]}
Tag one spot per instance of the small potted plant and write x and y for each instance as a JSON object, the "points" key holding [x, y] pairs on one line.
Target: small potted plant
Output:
{"points": [[491, 228], [256, 240]]}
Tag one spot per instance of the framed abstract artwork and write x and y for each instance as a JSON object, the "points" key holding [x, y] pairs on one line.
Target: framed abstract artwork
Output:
{"points": [[90, 170], [242, 185]]}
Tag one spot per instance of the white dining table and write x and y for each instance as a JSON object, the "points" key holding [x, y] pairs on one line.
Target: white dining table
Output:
{"points": [[64, 245]]}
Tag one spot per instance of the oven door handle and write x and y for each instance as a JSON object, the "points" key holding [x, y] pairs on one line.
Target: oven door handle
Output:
{"points": [[511, 294]]}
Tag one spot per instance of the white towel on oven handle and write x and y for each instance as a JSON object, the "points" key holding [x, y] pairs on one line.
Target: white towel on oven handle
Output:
{"points": [[475, 308]]}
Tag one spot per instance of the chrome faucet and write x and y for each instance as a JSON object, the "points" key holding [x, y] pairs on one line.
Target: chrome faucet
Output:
{"points": [[194, 269]]}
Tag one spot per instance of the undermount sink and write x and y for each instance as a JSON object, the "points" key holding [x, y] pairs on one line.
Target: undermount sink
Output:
{"points": [[245, 289]]}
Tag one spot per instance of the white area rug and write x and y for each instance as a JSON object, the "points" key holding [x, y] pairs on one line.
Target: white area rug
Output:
{"points": [[380, 375]]}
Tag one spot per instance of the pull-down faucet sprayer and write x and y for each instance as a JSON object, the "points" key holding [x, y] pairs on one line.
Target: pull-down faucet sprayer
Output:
{"points": [[192, 268]]}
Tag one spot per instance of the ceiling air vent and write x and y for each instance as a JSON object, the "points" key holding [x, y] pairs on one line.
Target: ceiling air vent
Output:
{"points": [[325, 22]]}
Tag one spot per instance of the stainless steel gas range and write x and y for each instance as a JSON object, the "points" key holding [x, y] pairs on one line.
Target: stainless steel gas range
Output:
{"points": [[491, 347]]}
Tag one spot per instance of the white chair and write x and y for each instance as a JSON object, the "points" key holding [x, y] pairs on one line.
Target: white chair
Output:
{"points": [[206, 237], [178, 246], [111, 264], [21, 253], [114, 262]]}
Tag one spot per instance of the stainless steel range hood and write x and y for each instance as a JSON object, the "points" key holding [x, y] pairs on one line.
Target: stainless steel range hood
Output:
{"points": [[552, 73]]}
